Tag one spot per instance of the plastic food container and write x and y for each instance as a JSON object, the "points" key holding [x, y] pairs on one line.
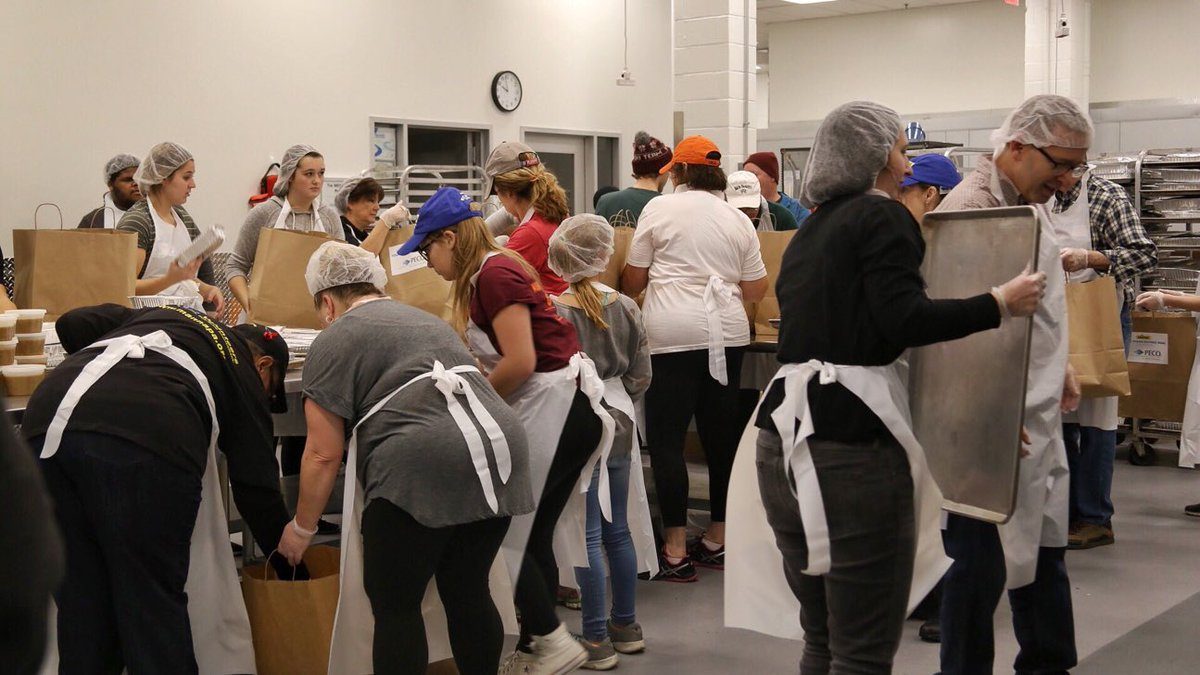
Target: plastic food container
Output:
{"points": [[31, 344], [188, 301], [22, 380], [39, 360], [8, 352], [8, 326], [28, 320]]}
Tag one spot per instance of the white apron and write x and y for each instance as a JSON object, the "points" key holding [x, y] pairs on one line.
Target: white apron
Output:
{"points": [[1074, 230], [354, 623], [757, 595], [112, 215], [1189, 442], [542, 404], [718, 293], [766, 221], [169, 242], [220, 626], [318, 223], [1043, 484], [570, 536]]}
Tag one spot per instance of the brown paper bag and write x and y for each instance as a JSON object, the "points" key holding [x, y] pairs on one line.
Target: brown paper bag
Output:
{"points": [[60, 270], [410, 279], [1096, 346], [611, 276], [292, 621], [278, 294], [1159, 377], [772, 245]]}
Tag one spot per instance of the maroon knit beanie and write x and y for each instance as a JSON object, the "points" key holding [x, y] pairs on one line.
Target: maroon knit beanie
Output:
{"points": [[649, 154], [767, 162]]}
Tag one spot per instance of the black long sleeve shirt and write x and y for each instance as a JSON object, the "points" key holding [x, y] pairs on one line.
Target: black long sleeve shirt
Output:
{"points": [[155, 404], [850, 293]]}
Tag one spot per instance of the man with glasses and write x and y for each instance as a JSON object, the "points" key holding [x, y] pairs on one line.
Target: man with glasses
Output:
{"points": [[1043, 140], [1109, 239]]}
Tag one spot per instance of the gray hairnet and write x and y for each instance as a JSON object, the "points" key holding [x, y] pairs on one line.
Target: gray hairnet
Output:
{"points": [[118, 164], [163, 160], [1045, 120], [287, 166], [337, 263], [341, 200], [580, 247], [850, 149]]}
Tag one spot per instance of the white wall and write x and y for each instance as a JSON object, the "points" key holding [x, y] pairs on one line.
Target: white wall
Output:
{"points": [[1145, 50], [762, 101], [238, 82], [941, 59]]}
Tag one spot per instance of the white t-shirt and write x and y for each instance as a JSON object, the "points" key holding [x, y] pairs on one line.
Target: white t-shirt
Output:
{"points": [[684, 239]]}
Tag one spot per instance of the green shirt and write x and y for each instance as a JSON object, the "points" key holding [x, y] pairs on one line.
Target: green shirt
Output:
{"points": [[784, 220], [622, 208]]}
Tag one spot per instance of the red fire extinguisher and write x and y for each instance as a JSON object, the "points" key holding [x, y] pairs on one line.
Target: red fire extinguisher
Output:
{"points": [[266, 185]]}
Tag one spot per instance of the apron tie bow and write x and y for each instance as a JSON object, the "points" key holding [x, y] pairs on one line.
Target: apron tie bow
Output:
{"points": [[717, 294], [593, 387]]}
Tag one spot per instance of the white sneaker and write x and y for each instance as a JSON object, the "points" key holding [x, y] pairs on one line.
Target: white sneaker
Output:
{"points": [[554, 654], [517, 663]]}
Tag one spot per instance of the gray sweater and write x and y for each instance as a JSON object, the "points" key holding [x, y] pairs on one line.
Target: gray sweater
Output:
{"points": [[264, 215]]}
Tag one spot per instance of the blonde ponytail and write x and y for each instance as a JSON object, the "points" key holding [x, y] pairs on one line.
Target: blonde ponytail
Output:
{"points": [[590, 302]]}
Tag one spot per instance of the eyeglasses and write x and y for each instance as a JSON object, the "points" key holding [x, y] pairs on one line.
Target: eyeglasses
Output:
{"points": [[1060, 168], [423, 249]]}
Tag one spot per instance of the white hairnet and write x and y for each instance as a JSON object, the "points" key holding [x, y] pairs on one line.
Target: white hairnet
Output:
{"points": [[1045, 120], [287, 166], [163, 160], [118, 164], [580, 247], [337, 263], [342, 199], [850, 149]]}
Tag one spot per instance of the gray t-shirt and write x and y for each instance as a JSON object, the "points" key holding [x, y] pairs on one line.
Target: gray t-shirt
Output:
{"points": [[621, 350], [264, 215], [411, 452]]}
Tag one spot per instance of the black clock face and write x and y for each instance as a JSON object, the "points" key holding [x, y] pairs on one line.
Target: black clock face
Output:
{"points": [[506, 91]]}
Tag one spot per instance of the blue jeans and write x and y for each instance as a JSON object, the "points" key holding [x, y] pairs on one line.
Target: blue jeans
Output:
{"points": [[1091, 453], [614, 540], [1043, 619]]}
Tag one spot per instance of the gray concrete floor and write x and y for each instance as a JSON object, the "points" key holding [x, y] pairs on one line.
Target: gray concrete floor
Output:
{"points": [[1150, 570]]}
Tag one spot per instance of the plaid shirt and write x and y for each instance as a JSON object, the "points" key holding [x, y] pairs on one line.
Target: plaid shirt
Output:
{"points": [[1117, 231]]}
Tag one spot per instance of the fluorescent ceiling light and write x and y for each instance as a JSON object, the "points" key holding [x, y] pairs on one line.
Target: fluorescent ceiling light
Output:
{"points": [[806, 2]]}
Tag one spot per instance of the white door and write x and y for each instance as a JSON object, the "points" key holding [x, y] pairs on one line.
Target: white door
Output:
{"points": [[566, 155]]}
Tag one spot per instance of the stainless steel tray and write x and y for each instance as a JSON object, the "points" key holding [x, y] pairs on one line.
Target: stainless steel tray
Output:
{"points": [[975, 457], [1172, 175], [1176, 274], [1179, 242], [1174, 158]]}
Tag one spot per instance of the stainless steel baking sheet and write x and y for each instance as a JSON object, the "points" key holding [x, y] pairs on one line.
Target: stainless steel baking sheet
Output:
{"points": [[968, 396]]}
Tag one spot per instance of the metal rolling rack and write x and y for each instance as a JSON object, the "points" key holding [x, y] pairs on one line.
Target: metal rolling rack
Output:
{"points": [[1166, 193], [417, 183]]}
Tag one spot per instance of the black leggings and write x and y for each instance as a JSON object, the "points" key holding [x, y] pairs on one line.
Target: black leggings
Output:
{"points": [[400, 556], [537, 585], [682, 388]]}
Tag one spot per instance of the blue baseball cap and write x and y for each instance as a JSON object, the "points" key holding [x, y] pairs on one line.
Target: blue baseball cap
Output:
{"points": [[935, 170], [446, 208]]}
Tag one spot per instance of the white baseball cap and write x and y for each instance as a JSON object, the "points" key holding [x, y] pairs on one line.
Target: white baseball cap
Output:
{"points": [[743, 191]]}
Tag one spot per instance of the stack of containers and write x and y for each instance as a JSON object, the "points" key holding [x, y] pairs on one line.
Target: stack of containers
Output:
{"points": [[25, 336], [31, 336]]}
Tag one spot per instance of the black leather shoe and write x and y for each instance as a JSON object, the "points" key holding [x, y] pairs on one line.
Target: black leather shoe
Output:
{"points": [[931, 631]]}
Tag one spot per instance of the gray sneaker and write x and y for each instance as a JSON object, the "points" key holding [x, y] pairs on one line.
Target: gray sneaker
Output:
{"points": [[627, 639], [600, 655]]}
